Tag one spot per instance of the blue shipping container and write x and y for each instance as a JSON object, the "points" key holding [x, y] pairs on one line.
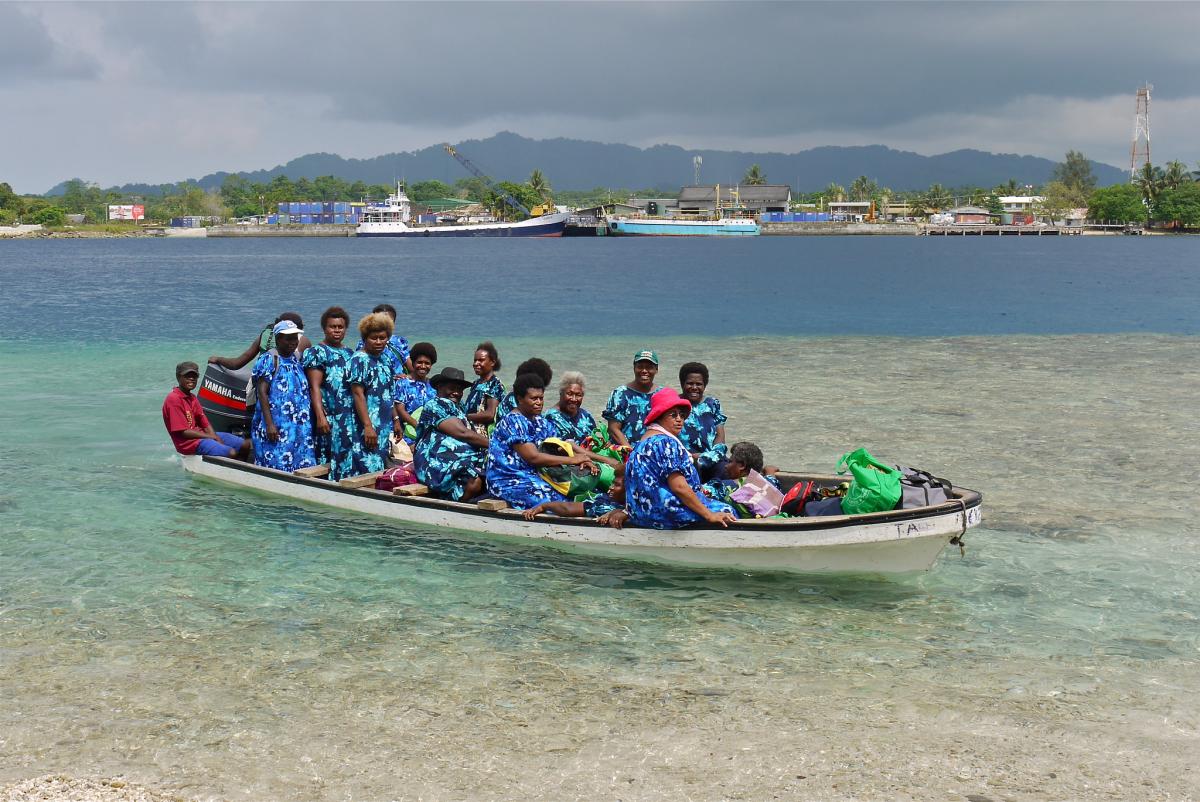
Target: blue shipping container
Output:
{"points": [[272, 219], [306, 219], [339, 219]]}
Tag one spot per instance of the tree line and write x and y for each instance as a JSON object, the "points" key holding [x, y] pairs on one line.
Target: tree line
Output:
{"points": [[1169, 195]]}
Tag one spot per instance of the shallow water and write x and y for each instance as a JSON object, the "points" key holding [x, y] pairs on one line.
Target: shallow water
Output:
{"points": [[229, 645]]}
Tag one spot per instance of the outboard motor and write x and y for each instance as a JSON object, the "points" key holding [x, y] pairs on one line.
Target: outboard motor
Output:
{"points": [[226, 399]]}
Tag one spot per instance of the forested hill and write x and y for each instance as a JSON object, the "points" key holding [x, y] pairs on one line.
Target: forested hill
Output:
{"points": [[577, 164]]}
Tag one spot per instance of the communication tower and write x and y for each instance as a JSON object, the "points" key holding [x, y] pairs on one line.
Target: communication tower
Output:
{"points": [[696, 162], [1139, 151]]}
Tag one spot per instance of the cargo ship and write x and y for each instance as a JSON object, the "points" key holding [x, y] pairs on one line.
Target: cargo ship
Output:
{"points": [[674, 227], [393, 218]]}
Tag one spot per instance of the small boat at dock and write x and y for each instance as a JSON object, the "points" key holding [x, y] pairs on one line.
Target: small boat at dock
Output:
{"points": [[892, 542]]}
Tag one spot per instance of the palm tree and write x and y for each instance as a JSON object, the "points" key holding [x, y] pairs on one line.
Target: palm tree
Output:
{"points": [[937, 197], [862, 188], [1009, 187], [1176, 174], [754, 176], [539, 184], [834, 192], [1149, 180]]}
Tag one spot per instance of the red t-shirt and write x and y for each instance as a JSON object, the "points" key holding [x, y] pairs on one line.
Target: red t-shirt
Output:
{"points": [[182, 411]]}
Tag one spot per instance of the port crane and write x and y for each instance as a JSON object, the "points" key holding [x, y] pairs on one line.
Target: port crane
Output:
{"points": [[475, 171]]}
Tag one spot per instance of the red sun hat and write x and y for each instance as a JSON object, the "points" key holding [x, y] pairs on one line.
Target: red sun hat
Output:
{"points": [[665, 399]]}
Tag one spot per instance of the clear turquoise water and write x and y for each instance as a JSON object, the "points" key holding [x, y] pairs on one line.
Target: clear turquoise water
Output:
{"points": [[228, 645]]}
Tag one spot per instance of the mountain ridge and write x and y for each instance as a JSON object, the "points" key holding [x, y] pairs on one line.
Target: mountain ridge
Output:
{"points": [[576, 164]]}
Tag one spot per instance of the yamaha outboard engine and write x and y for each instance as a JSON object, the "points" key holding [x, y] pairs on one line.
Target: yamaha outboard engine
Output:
{"points": [[226, 399]]}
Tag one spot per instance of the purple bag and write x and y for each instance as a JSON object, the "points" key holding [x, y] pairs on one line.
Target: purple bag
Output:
{"points": [[758, 496]]}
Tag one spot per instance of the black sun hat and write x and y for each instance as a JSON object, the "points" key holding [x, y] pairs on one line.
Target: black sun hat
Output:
{"points": [[449, 375]]}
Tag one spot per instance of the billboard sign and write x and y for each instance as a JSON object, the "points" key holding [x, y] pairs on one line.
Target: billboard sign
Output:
{"points": [[127, 212]]}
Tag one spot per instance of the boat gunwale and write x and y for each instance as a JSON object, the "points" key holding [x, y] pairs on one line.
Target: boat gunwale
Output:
{"points": [[965, 499]]}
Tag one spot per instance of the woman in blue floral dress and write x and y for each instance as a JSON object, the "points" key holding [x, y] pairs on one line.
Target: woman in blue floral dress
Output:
{"points": [[372, 385], [327, 366], [704, 430], [281, 430], [570, 419], [534, 365], [396, 352], [627, 406], [662, 487], [483, 399], [412, 392], [449, 455], [513, 456]]}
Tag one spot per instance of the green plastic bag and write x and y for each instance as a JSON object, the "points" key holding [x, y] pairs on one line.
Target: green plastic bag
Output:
{"points": [[875, 487]]}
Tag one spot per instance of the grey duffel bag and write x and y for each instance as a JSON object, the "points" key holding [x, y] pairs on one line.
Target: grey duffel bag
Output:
{"points": [[921, 489]]}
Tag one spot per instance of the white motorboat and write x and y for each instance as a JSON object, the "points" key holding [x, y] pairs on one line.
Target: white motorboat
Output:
{"points": [[897, 541]]}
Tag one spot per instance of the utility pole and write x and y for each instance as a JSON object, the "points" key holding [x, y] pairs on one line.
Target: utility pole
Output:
{"points": [[696, 162]]}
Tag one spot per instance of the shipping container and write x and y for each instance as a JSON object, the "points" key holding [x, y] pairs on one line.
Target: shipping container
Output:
{"points": [[339, 219], [272, 219], [306, 219]]}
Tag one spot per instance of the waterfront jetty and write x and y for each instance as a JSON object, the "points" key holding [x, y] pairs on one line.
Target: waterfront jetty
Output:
{"points": [[998, 231], [284, 230]]}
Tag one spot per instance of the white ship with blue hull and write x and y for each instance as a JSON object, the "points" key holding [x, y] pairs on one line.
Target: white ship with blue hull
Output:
{"points": [[394, 219], [671, 227]]}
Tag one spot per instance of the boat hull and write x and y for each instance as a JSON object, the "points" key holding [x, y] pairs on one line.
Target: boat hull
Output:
{"points": [[650, 227], [903, 541], [550, 225]]}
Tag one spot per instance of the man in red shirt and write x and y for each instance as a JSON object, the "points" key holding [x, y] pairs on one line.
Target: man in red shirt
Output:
{"points": [[188, 425]]}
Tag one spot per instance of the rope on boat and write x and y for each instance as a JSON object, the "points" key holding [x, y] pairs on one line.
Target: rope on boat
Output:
{"points": [[957, 540]]}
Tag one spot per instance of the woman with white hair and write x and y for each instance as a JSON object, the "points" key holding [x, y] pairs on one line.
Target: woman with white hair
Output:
{"points": [[572, 421]]}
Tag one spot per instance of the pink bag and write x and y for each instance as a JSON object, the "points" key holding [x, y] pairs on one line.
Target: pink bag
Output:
{"points": [[399, 476], [758, 496]]}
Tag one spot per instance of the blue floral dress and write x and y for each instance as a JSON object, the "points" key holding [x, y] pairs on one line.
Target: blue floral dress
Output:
{"points": [[507, 404], [395, 353], [628, 408], [413, 395], [291, 411], [335, 449], [598, 504], [509, 476], [492, 388], [573, 429], [699, 433], [650, 501], [375, 375], [444, 463]]}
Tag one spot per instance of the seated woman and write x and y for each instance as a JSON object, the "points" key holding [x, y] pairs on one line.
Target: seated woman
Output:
{"points": [[372, 385], [282, 426], [743, 458], [607, 508], [662, 486], [412, 393], [327, 366], [262, 344], [449, 455], [628, 404], [483, 399], [538, 367], [513, 457], [570, 419], [704, 430]]}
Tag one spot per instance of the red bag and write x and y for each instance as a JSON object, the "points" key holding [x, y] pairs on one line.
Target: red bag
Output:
{"points": [[395, 477], [793, 501]]}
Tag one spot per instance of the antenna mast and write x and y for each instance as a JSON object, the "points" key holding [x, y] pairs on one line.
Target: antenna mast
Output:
{"points": [[1139, 151]]}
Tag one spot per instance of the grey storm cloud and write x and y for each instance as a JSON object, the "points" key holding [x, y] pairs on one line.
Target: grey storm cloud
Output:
{"points": [[28, 53], [760, 68]]}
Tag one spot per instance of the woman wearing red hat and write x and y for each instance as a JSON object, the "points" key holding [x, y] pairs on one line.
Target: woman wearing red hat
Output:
{"points": [[662, 486]]}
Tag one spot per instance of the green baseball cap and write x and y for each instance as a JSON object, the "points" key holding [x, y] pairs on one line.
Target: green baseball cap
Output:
{"points": [[645, 356]]}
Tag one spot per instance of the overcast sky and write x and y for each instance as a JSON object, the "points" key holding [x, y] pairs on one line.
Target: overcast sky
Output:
{"points": [[117, 93]]}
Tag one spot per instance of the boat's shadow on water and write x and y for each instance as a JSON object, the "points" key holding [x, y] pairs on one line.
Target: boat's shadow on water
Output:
{"points": [[465, 553]]}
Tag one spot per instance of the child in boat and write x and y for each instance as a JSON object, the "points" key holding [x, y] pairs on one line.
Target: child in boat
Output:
{"points": [[608, 508], [483, 398]]}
